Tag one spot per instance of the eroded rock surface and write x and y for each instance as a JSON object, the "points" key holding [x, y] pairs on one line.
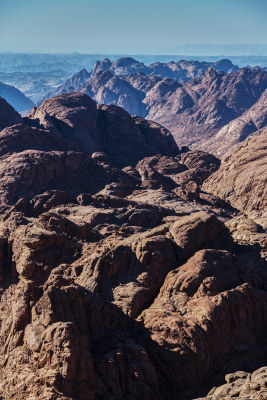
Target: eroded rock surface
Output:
{"points": [[122, 274], [242, 177]]}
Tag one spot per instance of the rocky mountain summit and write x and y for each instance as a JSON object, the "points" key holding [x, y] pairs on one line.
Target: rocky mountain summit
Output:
{"points": [[130, 268], [181, 71]]}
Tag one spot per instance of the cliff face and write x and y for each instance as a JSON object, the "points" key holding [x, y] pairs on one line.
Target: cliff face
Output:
{"points": [[124, 272]]}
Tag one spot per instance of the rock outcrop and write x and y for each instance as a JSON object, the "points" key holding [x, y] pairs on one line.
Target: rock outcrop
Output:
{"points": [[108, 129], [243, 385], [242, 178]]}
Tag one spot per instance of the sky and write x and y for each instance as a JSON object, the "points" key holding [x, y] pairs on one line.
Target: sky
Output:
{"points": [[132, 26]]}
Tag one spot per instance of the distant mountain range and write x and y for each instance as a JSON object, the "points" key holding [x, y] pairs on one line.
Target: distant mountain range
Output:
{"points": [[38, 74], [206, 105], [197, 101], [35, 84], [134, 76], [73, 62]]}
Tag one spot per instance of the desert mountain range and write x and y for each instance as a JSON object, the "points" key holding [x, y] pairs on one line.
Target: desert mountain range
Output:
{"points": [[207, 106]]}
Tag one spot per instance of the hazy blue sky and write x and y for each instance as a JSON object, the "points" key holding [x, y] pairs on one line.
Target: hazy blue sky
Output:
{"points": [[129, 26]]}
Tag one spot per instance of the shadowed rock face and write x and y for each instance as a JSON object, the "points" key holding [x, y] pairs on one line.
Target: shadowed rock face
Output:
{"points": [[8, 116], [123, 272], [109, 129]]}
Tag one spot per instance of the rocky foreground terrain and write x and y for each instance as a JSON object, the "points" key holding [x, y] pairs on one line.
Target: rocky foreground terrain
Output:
{"points": [[207, 106], [130, 268]]}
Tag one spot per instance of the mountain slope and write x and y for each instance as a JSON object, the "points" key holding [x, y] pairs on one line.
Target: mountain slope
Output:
{"points": [[252, 121], [16, 98], [242, 177], [8, 116], [202, 106]]}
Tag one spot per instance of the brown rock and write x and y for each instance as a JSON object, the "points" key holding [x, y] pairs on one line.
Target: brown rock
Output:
{"points": [[241, 179]]}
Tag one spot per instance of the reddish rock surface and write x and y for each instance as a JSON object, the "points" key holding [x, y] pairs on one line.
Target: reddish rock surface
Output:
{"points": [[242, 178], [122, 274]]}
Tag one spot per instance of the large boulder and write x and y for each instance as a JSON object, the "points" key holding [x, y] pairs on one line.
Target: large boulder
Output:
{"points": [[124, 139]]}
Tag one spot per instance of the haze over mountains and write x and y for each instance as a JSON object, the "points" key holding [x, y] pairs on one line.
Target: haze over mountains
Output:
{"points": [[73, 62], [35, 85], [205, 105], [15, 97], [38, 74]]}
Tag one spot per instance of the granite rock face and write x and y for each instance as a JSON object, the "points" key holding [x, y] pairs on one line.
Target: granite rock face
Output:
{"points": [[124, 271]]}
